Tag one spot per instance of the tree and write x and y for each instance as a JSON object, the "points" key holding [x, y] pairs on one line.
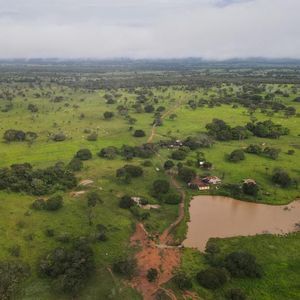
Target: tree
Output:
{"points": [[84, 154], [242, 264], [212, 278], [126, 202], [59, 137], [250, 188], [108, 115], [149, 108], [254, 149], [139, 133], [32, 108], [236, 155], [108, 152], [161, 186], [152, 274], [169, 164], [186, 174], [93, 198], [282, 178]]}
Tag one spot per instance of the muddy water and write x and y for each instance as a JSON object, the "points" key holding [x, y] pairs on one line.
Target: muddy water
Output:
{"points": [[216, 216]]}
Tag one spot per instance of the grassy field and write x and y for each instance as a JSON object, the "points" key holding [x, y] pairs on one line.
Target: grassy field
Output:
{"points": [[24, 227]]}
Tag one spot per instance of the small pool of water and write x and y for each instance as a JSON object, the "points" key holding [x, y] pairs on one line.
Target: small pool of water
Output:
{"points": [[217, 216]]}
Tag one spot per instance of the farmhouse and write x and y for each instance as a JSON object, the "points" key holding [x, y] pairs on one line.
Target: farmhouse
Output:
{"points": [[199, 184], [212, 180]]}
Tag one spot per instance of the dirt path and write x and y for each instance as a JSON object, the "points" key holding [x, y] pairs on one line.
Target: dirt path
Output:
{"points": [[163, 257]]}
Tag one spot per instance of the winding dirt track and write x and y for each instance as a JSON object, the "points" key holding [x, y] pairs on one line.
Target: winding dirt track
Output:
{"points": [[161, 256]]}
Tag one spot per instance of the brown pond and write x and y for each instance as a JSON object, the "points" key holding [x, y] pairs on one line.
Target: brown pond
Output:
{"points": [[216, 216]]}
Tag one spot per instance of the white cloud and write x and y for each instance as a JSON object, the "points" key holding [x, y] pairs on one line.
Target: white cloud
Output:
{"points": [[149, 28]]}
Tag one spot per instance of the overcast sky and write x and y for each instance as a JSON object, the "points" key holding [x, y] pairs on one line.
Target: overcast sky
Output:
{"points": [[212, 29]]}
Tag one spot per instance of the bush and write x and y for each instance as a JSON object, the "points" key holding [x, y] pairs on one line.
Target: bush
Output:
{"points": [[92, 137], [212, 278], [172, 198], [139, 133], [59, 137], [12, 135], [282, 178], [133, 171], [250, 188], [169, 164], [93, 198], [54, 203], [108, 115], [237, 155], [152, 275], [235, 294], [75, 165], [126, 267], [182, 281], [254, 149], [108, 152], [84, 154], [39, 204], [242, 264], [179, 155], [161, 186], [126, 202]]}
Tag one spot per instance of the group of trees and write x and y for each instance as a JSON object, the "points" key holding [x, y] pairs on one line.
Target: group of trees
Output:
{"points": [[221, 131], [265, 151], [51, 204], [13, 135], [129, 152], [267, 129], [23, 178], [68, 268], [129, 171]]}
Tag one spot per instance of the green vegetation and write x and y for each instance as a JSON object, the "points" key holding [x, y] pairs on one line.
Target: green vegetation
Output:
{"points": [[85, 145]]}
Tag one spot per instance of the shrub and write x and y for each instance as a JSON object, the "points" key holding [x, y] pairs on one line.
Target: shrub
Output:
{"points": [[182, 281], [75, 164], [250, 188], [84, 154], [54, 203], [235, 294], [161, 186], [172, 198], [93, 198], [12, 135], [59, 137], [38, 204], [178, 155], [242, 264], [126, 267], [237, 155], [139, 133], [212, 278], [168, 164], [133, 171], [126, 202], [92, 137], [108, 152], [108, 115], [282, 178], [152, 275]]}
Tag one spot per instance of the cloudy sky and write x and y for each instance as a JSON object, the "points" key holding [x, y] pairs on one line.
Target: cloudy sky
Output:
{"points": [[212, 29]]}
